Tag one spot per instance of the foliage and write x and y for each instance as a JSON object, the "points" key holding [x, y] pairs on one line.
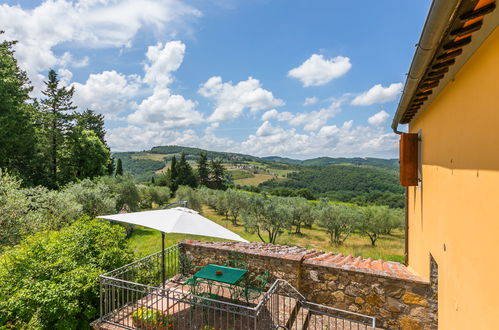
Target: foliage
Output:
{"points": [[217, 174], [236, 202], [268, 215], [346, 183], [124, 190], [186, 193], [18, 142], [96, 198], [119, 167], [378, 220], [184, 173], [50, 280], [153, 194], [151, 319], [300, 212], [338, 220], [203, 171]]}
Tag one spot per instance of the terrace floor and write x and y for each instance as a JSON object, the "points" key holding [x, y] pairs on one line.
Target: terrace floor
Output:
{"points": [[185, 315]]}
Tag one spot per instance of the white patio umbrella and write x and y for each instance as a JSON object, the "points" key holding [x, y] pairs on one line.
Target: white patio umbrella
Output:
{"points": [[180, 220]]}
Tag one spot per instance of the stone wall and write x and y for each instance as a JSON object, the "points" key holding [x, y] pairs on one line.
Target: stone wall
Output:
{"points": [[387, 290]]}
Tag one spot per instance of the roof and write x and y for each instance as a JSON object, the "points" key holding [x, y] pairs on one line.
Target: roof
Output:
{"points": [[445, 45], [390, 269]]}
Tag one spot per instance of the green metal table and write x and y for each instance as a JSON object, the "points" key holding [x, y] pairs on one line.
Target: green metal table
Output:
{"points": [[228, 275], [208, 275]]}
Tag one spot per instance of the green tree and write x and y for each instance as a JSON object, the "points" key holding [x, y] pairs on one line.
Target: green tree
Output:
{"points": [[119, 168], [96, 198], [266, 215], [203, 171], [186, 175], [17, 134], [172, 175], [217, 174], [186, 193], [88, 156], [56, 104], [378, 220], [338, 220], [51, 279], [236, 203], [300, 212]]}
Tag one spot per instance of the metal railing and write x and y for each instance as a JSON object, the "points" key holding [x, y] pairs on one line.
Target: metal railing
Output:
{"points": [[133, 296]]}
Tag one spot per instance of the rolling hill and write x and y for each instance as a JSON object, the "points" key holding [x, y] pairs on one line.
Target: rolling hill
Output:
{"points": [[360, 180]]}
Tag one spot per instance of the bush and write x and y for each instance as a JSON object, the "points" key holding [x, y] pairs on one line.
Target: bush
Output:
{"points": [[96, 198], [186, 193], [50, 280], [151, 319]]}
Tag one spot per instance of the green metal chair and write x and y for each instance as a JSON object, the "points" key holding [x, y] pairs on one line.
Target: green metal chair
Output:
{"points": [[236, 260], [254, 286]]}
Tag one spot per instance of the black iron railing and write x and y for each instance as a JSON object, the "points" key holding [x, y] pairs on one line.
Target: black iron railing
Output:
{"points": [[134, 296]]}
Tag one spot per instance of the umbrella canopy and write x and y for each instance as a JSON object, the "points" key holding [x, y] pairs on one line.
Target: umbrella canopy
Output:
{"points": [[178, 220]]}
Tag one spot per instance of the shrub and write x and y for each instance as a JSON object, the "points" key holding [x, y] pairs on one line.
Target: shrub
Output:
{"points": [[50, 280], [149, 318]]}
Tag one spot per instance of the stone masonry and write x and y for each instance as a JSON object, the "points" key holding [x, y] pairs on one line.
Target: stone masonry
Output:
{"points": [[387, 290]]}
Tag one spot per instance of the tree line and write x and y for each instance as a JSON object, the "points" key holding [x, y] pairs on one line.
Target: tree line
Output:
{"points": [[209, 174], [46, 141], [269, 217]]}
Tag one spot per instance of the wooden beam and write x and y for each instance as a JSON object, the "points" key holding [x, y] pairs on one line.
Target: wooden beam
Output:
{"points": [[443, 64], [457, 44], [479, 12], [467, 29], [450, 54]]}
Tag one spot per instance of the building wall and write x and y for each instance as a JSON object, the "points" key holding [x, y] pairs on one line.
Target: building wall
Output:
{"points": [[454, 214]]}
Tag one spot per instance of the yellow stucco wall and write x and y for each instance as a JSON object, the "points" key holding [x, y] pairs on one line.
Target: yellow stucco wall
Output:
{"points": [[458, 202]]}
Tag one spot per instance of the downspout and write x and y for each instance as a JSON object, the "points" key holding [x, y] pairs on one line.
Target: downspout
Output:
{"points": [[439, 18]]}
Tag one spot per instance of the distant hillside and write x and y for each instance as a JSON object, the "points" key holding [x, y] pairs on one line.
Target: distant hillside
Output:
{"points": [[391, 164], [193, 153], [347, 183], [362, 180]]}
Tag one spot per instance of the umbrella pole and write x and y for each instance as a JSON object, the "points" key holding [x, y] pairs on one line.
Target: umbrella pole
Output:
{"points": [[163, 277]]}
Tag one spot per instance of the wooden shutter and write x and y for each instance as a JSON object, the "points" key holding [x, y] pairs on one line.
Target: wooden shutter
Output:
{"points": [[409, 159]]}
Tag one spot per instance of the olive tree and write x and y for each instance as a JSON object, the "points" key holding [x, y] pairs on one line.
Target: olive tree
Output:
{"points": [[300, 212], [378, 220], [186, 193], [338, 220], [236, 203], [266, 215]]}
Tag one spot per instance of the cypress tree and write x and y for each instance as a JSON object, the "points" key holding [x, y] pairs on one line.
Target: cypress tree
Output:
{"points": [[203, 170], [119, 168]]}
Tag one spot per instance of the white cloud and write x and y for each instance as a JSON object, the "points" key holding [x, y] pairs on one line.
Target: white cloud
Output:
{"points": [[379, 118], [166, 111], [163, 60], [108, 92], [378, 94], [311, 120], [133, 138], [317, 70], [310, 101], [231, 100], [85, 23], [345, 140]]}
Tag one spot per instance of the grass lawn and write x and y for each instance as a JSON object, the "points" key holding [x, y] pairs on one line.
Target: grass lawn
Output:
{"points": [[255, 180], [145, 241]]}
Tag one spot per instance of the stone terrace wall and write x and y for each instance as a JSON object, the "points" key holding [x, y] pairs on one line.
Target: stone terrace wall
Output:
{"points": [[387, 290]]}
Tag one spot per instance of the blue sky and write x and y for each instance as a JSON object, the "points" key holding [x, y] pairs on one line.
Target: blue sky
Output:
{"points": [[291, 78]]}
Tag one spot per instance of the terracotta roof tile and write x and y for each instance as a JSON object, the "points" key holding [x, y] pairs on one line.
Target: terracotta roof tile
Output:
{"points": [[329, 259]]}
